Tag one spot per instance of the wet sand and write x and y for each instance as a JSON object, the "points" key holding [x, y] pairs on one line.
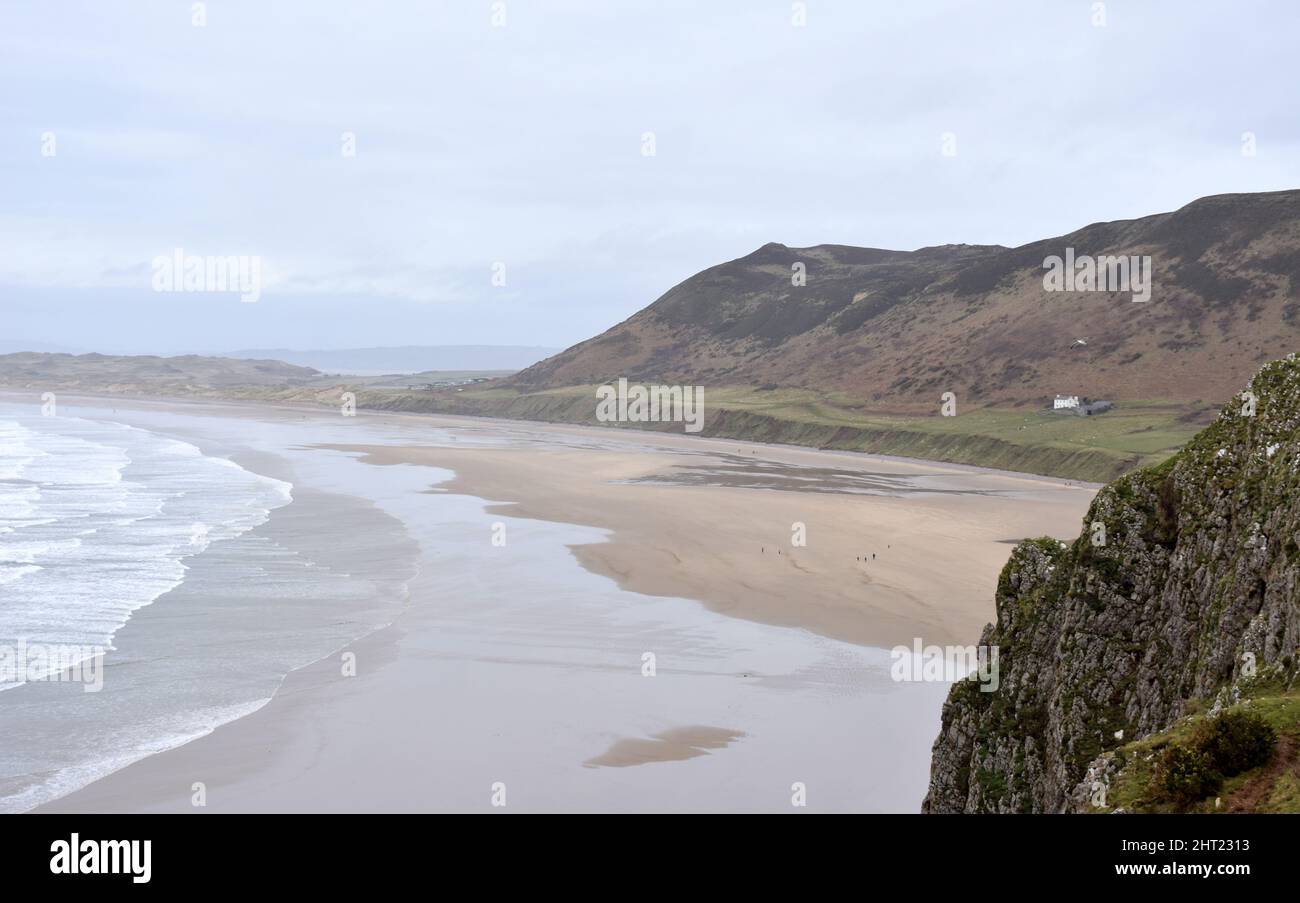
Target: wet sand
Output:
{"points": [[870, 551], [666, 746], [518, 669]]}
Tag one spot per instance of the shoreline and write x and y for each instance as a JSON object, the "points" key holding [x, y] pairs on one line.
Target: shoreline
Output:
{"points": [[379, 414], [217, 646], [668, 547], [865, 572]]}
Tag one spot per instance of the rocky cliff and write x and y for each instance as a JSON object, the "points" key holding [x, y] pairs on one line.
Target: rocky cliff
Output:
{"points": [[1183, 587]]}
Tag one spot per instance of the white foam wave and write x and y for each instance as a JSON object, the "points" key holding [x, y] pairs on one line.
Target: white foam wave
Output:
{"points": [[96, 520]]}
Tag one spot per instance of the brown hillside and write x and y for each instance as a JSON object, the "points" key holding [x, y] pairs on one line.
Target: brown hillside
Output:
{"points": [[896, 329]]}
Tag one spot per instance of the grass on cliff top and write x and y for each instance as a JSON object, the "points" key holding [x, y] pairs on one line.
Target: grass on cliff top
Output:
{"points": [[1150, 430], [1272, 788], [1133, 435]]}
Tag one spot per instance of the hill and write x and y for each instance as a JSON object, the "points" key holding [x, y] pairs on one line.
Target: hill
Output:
{"points": [[406, 358], [184, 374], [896, 329], [859, 357]]}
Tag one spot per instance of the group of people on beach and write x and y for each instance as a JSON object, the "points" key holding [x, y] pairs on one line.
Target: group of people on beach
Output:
{"points": [[763, 550]]}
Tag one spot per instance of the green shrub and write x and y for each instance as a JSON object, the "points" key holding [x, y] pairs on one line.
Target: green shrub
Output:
{"points": [[1235, 741], [1186, 774]]}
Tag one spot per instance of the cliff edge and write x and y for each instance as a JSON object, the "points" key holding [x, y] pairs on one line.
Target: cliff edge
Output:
{"points": [[1180, 599]]}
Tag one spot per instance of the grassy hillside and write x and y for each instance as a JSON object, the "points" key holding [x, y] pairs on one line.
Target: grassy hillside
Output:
{"points": [[1032, 441], [857, 354], [1273, 787], [899, 328]]}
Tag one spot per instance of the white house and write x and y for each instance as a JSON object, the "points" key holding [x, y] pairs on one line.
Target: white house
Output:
{"points": [[1065, 401]]}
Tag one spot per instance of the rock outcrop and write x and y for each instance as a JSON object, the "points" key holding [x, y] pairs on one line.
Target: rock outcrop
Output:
{"points": [[1185, 579]]}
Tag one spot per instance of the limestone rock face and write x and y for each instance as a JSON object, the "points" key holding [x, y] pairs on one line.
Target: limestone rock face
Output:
{"points": [[1185, 579]]}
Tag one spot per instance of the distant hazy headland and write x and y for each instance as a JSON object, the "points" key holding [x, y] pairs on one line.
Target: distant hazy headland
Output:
{"points": [[407, 358]]}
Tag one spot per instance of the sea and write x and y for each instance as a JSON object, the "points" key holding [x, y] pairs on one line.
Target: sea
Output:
{"points": [[151, 591]]}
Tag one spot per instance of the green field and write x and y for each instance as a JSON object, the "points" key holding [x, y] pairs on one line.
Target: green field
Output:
{"points": [[1097, 448]]}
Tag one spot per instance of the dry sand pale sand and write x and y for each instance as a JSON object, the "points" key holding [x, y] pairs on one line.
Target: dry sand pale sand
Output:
{"points": [[686, 521]]}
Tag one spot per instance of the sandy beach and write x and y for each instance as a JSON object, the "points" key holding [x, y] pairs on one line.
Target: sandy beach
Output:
{"points": [[597, 619], [866, 550]]}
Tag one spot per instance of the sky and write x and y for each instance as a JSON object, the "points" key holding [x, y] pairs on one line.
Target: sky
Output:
{"points": [[588, 155]]}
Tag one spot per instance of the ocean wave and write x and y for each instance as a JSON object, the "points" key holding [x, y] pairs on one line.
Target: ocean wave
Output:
{"points": [[97, 519], [141, 744]]}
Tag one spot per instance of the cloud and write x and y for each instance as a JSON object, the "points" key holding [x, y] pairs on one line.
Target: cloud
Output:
{"points": [[523, 144]]}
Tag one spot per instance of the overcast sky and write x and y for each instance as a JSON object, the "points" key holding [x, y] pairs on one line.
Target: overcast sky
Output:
{"points": [[523, 144]]}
